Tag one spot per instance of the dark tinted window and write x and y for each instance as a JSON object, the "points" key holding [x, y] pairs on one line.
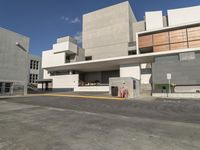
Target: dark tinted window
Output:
{"points": [[88, 58]]}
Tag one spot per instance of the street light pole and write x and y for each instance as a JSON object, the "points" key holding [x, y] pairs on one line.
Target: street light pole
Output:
{"points": [[169, 77], [169, 86]]}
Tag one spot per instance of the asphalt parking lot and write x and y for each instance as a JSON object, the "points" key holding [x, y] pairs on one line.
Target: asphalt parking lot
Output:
{"points": [[66, 123]]}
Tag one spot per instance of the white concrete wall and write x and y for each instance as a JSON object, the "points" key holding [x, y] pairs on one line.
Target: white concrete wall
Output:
{"points": [[92, 89], [56, 56], [130, 71], [154, 20], [46, 75], [183, 15], [146, 77], [65, 81], [49, 59], [187, 89], [66, 38], [64, 46], [177, 95]]}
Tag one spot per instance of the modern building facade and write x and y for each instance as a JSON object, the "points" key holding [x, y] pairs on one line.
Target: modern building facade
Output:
{"points": [[35, 72], [14, 59], [115, 44]]}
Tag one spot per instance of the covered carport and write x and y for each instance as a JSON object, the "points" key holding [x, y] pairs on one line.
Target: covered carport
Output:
{"points": [[45, 84]]}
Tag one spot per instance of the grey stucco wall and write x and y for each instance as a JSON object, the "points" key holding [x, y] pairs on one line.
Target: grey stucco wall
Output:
{"points": [[14, 61], [185, 72]]}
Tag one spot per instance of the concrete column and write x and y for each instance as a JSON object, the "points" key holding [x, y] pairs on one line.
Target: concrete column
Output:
{"points": [[11, 88], [3, 88], [25, 89]]}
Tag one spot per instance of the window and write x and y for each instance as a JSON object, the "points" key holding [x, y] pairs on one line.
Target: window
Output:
{"points": [[1, 87], [133, 52], [37, 63], [60, 72], [7, 87], [31, 64], [88, 58], [30, 78], [33, 78], [36, 77], [67, 59]]}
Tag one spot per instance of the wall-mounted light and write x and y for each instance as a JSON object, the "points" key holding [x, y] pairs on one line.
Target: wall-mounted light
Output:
{"points": [[20, 46]]}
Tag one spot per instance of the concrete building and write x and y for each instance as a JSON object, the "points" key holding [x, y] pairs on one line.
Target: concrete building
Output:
{"points": [[106, 32], [14, 59], [115, 44], [35, 73]]}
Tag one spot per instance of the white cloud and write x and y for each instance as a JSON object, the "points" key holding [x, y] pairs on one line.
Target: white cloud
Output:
{"points": [[65, 18], [78, 37], [75, 20]]}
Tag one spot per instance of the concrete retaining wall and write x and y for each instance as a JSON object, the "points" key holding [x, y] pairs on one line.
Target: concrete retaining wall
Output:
{"points": [[177, 95]]}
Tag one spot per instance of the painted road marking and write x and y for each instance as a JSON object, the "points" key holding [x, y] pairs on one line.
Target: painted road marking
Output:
{"points": [[82, 96]]}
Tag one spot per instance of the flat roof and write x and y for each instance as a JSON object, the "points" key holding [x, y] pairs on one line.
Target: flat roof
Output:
{"points": [[114, 63]]}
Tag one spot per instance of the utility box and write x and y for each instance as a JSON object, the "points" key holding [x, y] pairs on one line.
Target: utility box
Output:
{"points": [[131, 85]]}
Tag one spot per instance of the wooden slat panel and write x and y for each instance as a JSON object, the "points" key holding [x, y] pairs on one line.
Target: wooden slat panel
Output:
{"points": [[178, 36], [191, 29], [161, 38], [161, 48], [145, 41], [194, 33], [193, 44], [176, 46]]}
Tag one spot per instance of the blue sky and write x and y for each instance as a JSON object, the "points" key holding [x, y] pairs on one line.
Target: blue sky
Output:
{"points": [[46, 20]]}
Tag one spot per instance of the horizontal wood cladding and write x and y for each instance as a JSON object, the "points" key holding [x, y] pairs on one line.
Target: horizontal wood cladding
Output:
{"points": [[193, 33], [161, 48], [161, 38], [178, 36], [194, 44], [145, 41], [182, 45], [188, 37]]}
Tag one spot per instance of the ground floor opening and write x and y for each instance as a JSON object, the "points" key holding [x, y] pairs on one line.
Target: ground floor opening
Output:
{"points": [[9, 88], [100, 78]]}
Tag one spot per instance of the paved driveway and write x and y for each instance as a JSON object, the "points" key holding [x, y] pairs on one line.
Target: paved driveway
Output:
{"points": [[63, 123]]}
